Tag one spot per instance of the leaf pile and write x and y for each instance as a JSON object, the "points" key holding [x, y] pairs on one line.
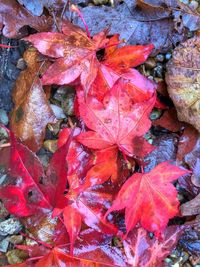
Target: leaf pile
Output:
{"points": [[98, 186]]}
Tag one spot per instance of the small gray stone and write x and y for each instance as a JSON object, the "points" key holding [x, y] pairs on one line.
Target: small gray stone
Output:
{"points": [[186, 2], [4, 245], [194, 4], [58, 112], [10, 227], [3, 133], [150, 63], [68, 104], [168, 56], [160, 58], [3, 117]]}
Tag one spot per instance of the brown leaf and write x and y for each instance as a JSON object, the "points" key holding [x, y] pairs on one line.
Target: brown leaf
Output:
{"points": [[13, 17], [184, 82], [143, 29], [187, 142], [169, 121], [184, 16], [36, 6], [191, 207], [32, 112]]}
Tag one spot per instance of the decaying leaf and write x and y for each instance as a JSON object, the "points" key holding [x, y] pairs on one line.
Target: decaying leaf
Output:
{"points": [[183, 14], [32, 111], [13, 17], [184, 82], [36, 6], [169, 121], [144, 29]]}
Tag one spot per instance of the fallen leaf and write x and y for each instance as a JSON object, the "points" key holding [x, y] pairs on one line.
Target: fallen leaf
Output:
{"points": [[105, 167], [143, 251], [193, 161], [169, 121], [74, 51], [182, 13], [187, 142], [13, 17], [36, 6], [190, 240], [144, 207], [183, 81], [32, 111], [23, 195], [165, 150], [116, 121], [162, 32]]}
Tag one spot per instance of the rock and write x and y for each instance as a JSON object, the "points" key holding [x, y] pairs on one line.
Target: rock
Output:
{"points": [[158, 71], [194, 4], [10, 227], [160, 58], [51, 145], [150, 63], [21, 64], [68, 104], [168, 56], [3, 134], [4, 245], [16, 256], [3, 117], [16, 239], [58, 112], [3, 211]]}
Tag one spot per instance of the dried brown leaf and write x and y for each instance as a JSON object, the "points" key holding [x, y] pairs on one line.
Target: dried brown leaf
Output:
{"points": [[13, 17], [32, 112], [184, 81]]}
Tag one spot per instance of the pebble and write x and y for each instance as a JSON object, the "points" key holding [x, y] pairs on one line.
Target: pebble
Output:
{"points": [[158, 71], [51, 145], [4, 245], [3, 134], [10, 226], [3, 117], [68, 104], [21, 64], [16, 239], [150, 63], [194, 4], [16, 256], [186, 2], [58, 112], [160, 58], [3, 211], [168, 56]]}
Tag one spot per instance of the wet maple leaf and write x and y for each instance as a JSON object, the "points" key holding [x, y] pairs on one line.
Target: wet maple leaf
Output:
{"points": [[116, 121], [28, 184], [117, 63], [143, 251], [32, 111], [149, 198], [75, 54], [84, 204]]}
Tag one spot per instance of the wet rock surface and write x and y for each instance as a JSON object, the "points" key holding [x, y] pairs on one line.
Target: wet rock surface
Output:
{"points": [[8, 70]]}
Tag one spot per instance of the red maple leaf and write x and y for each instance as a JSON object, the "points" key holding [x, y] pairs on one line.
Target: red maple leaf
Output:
{"points": [[116, 121], [74, 52], [149, 198]]}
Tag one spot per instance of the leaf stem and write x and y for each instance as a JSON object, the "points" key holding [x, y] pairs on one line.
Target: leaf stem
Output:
{"points": [[36, 240], [74, 8]]}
